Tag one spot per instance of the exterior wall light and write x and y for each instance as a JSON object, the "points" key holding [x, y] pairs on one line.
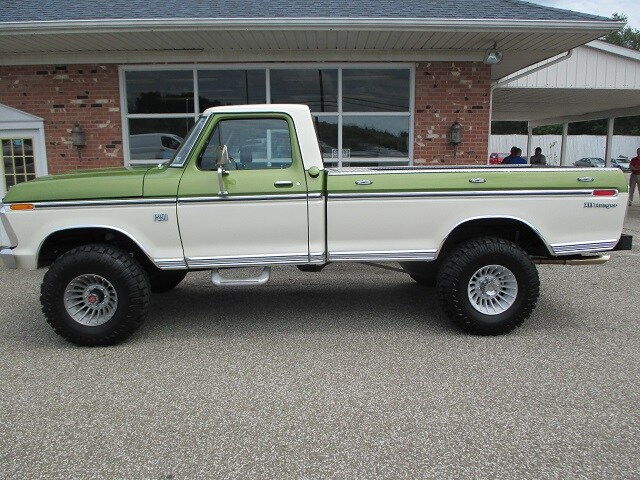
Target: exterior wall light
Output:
{"points": [[455, 136], [78, 138], [493, 56]]}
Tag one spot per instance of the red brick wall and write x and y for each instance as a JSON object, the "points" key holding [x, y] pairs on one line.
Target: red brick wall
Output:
{"points": [[63, 95], [446, 92]]}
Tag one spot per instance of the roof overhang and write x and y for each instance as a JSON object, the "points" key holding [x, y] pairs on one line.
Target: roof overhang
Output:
{"points": [[524, 42], [595, 81]]}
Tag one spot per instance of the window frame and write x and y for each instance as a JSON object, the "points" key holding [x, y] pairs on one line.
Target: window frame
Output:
{"points": [[268, 67]]}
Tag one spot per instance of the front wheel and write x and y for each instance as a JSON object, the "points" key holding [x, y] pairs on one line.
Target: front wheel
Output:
{"points": [[488, 286], [95, 295]]}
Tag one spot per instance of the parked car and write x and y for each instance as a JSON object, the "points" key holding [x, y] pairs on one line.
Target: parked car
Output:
{"points": [[154, 146], [590, 162], [496, 158], [621, 162]]}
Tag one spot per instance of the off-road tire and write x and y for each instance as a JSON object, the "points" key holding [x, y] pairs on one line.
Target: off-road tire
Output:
{"points": [[115, 270], [460, 272]]}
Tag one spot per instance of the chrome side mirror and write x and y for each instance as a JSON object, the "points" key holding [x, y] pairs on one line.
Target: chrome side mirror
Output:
{"points": [[223, 161], [223, 156]]}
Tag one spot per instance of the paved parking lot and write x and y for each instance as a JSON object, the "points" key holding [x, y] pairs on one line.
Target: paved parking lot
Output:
{"points": [[351, 373]]}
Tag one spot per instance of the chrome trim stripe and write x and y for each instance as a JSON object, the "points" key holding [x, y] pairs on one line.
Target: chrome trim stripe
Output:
{"points": [[166, 201], [462, 193], [105, 203], [317, 257], [333, 172], [386, 256], [243, 198], [171, 263], [587, 247], [248, 261]]}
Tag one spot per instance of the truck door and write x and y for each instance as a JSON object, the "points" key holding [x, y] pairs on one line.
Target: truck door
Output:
{"points": [[260, 217]]}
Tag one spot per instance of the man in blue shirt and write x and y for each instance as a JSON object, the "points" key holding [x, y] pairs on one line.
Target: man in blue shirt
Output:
{"points": [[514, 158]]}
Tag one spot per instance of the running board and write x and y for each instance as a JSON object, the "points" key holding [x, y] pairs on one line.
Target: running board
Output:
{"points": [[261, 279], [596, 260]]}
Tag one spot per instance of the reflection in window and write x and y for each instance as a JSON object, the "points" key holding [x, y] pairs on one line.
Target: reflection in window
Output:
{"points": [[369, 121], [231, 87], [160, 92], [156, 138], [327, 131], [252, 144], [375, 136], [316, 88], [375, 90]]}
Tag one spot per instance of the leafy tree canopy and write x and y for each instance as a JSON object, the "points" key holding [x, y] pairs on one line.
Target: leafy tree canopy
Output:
{"points": [[627, 37]]}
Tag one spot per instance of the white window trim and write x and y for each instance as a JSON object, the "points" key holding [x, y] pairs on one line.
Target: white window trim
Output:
{"points": [[267, 67]]}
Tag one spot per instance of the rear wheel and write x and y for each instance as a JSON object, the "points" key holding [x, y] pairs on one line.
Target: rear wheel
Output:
{"points": [[95, 295], [488, 286]]}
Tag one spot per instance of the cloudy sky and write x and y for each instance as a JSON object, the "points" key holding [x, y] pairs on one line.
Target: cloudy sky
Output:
{"points": [[605, 8]]}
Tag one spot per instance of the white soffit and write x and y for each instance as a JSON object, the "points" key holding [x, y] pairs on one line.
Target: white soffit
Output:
{"points": [[598, 80], [524, 42]]}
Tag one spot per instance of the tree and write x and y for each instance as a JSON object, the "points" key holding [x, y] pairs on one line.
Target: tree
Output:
{"points": [[627, 37]]}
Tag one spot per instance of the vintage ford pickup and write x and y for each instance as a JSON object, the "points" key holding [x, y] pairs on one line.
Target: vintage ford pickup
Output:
{"points": [[248, 187]]}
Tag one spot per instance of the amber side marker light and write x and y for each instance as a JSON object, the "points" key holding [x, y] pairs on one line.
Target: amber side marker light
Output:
{"points": [[605, 193], [22, 206]]}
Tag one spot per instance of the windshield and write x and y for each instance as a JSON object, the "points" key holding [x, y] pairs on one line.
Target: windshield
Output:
{"points": [[183, 151]]}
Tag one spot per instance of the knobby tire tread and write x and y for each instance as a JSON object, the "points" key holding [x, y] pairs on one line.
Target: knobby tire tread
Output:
{"points": [[453, 297], [125, 266]]}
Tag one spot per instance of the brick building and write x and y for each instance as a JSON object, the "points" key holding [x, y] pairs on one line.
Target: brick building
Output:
{"points": [[384, 80]]}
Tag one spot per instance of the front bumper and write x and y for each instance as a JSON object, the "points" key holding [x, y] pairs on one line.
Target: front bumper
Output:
{"points": [[7, 257]]}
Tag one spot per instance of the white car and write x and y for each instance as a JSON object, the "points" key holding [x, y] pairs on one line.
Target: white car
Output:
{"points": [[590, 162], [621, 162]]}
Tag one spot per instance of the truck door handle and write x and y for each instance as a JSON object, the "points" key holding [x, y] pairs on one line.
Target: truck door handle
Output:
{"points": [[363, 182], [477, 180], [283, 183], [585, 179]]}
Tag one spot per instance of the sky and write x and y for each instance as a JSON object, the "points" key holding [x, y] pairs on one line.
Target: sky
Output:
{"points": [[604, 8]]}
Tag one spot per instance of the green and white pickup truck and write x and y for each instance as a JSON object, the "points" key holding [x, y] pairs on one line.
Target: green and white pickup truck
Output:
{"points": [[248, 188]]}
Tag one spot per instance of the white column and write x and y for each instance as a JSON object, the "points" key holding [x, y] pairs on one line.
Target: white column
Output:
{"points": [[563, 147], [529, 140], [609, 145]]}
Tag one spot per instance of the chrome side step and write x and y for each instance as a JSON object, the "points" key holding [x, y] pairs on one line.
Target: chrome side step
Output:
{"points": [[261, 279], [595, 260]]}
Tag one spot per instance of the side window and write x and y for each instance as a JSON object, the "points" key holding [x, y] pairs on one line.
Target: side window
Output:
{"points": [[252, 144]]}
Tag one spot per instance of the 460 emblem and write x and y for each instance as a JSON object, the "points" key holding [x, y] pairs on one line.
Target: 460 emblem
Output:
{"points": [[160, 217]]}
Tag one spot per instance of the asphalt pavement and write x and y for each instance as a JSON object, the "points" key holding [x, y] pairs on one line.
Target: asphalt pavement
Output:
{"points": [[351, 373]]}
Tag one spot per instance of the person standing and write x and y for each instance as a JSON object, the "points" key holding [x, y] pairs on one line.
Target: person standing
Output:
{"points": [[634, 179], [514, 157], [538, 158]]}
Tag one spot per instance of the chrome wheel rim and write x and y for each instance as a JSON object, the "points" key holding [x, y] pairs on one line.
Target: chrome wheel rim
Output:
{"points": [[90, 300], [492, 289]]}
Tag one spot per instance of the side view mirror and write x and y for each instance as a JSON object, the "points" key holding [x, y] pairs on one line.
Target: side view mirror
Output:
{"points": [[223, 156], [223, 161]]}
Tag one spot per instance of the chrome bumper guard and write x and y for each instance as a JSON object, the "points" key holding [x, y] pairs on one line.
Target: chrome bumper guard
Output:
{"points": [[6, 254]]}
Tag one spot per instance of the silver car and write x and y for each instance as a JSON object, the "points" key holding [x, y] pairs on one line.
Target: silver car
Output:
{"points": [[590, 162]]}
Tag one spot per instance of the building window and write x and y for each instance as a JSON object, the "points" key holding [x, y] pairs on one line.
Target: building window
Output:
{"points": [[363, 114]]}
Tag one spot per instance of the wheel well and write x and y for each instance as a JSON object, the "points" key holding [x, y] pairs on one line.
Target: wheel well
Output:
{"points": [[510, 229], [64, 240]]}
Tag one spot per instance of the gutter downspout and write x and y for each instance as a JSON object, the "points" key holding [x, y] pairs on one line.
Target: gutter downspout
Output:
{"points": [[499, 83]]}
